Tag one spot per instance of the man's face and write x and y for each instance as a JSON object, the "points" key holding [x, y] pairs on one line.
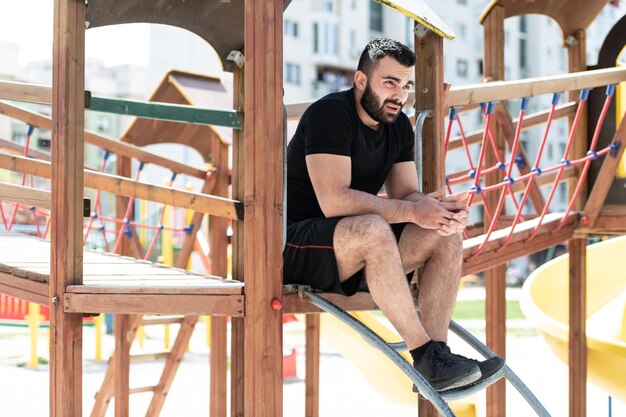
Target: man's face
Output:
{"points": [[386, 90]]}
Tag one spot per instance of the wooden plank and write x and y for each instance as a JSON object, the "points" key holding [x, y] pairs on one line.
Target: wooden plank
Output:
{"points": [[312, 380], [19, 150], [530, 121], [505, 90], [577, 61], [217, 206], [109, 287], [546, 237], [121, 363], [508, 131], [168, 303], [119, 148], [294, 304], [429, 85], [495, 302], [238, 189], [171, 365], [605, 176], [219, 363], [263, 179], [23, 288], [32, 93], [577, 354], [68, 104]]}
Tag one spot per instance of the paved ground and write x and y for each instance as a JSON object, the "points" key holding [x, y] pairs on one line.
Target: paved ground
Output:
{"points": [[24, 392]]}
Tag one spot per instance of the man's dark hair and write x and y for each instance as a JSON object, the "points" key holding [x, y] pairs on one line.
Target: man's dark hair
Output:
{"points": [[379, 48]]}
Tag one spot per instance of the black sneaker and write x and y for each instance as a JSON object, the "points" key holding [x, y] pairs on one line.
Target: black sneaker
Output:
{"points": [[445, 371], [488, 367]]}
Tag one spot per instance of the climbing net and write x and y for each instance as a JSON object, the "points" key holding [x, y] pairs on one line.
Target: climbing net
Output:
{"points": [[101, 230], [525, 175]]}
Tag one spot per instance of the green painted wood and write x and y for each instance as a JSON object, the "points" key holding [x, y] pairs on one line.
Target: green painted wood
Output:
{"points": [[165, 111]]}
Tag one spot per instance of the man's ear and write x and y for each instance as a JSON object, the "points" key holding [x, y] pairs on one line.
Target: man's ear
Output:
{"points": [[360, 80]]}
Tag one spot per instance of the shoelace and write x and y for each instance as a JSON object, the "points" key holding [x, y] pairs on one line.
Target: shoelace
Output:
{"points": [[445, 361]]}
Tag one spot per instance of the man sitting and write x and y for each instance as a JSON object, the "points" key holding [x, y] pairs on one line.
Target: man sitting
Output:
{"points": [[346, 147]]}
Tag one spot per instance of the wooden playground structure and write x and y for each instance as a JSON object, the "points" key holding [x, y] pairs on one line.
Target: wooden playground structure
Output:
{"points": [[72, 282]]}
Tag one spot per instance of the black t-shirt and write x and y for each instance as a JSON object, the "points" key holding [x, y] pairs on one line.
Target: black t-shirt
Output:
{"points": [[331, 125]]}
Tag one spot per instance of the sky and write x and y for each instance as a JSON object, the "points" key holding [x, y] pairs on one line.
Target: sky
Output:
{"points": [[33, 31]]}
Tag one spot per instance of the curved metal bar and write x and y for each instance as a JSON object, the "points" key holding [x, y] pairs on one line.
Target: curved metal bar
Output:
{"points": [[507, 372], [424, 387]]}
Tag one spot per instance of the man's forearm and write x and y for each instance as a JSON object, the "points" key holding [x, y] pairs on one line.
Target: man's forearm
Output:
{"points": [[415, 196], [353, 203]]}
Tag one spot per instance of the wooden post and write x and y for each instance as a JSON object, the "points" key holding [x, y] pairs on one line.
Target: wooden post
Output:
{"points": [[263, 179], [576, 45], [495, 278], [219, 245], [236, 355], [66, 266], [121, 363], [429, 95], [312, 406], [577, 327]]}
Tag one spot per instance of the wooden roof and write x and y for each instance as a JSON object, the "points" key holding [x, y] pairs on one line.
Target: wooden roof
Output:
{"points": [[571, 15], [178, 87], [218, 22]]}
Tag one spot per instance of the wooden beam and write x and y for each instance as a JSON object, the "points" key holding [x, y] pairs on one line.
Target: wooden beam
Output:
{"points": [[26, 289], [505, 90], [238, 254], [217, 206], [120, 303], [312, 378], [32, 93], [430, 96], [263, 178], [121, 363], [577, 61], [66, 266], [577, 327], [119, 148], [605, 176], [530, 121], [493, 255], [24, 195], [495, 302]]}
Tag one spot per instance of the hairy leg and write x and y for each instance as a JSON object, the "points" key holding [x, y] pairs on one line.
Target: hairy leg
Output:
{"points": [[367, 242], [439, 280]]}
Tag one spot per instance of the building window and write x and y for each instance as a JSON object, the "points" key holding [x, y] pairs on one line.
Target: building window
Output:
{"points": [[461, 29], [316, 38], [292, 73], [480, 67], [522, 24], [353, 4], [291, 28], [328, 5], [522, 53], [562, 193], [461, 1], [376, 16], [461, 67]]}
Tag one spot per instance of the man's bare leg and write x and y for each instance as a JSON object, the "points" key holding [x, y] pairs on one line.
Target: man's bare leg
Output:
{"points": [[368, 242], [440, 278]]}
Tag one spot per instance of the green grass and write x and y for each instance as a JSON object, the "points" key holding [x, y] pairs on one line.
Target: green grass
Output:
{"points": [[475, 310]]}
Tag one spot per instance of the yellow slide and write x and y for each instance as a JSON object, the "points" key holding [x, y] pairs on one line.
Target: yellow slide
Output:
{"points": [[545, 302], [385, 377]]}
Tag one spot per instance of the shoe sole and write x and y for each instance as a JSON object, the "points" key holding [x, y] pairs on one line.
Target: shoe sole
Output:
{"points": [[461, 382]]}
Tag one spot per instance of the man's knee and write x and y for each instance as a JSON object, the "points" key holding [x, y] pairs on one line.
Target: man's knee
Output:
{"points": [[370, 230]]}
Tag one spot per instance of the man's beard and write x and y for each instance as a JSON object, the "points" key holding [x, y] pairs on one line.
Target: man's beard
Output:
{"points": [[369, 102]]}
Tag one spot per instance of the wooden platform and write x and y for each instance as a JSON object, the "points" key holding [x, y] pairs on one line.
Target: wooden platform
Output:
{"points": [[115, 284]]}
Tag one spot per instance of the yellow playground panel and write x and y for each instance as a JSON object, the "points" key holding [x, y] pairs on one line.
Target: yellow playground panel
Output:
{"points": [[545, 302]]}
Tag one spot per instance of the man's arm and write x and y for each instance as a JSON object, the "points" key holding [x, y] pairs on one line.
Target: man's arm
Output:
{"points": [[331, 177]]}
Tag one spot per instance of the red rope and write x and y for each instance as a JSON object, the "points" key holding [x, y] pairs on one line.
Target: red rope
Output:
{"points": [[129, 207]]}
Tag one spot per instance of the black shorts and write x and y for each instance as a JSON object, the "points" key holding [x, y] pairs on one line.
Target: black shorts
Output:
{"points": [[309, 256]]}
